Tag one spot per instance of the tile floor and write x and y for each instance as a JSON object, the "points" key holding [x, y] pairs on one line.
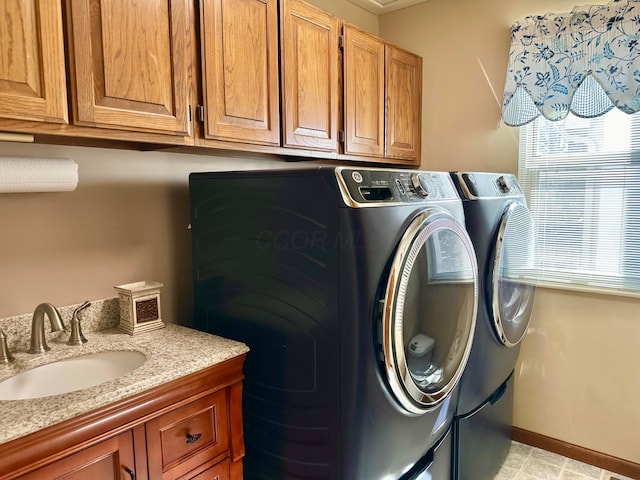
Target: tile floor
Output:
{"points": [[529, 463]]}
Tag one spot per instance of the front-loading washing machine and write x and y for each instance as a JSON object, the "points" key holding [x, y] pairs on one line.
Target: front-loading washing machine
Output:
{"points": [[502, 231], [356, 292]]}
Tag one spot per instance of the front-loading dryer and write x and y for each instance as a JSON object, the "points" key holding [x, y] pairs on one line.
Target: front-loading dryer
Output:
{"points": [[356, 292], [502, 230]]}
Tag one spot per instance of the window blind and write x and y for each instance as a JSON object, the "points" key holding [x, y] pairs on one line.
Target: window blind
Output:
{"points": [[581, 177]]}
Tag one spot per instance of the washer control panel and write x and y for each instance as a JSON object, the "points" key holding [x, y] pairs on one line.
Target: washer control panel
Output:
{"points": [[483, 185], [365, 187]]}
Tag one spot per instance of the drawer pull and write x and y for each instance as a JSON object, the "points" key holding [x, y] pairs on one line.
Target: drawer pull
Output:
{"points": [[131, 473], [193, 438]]}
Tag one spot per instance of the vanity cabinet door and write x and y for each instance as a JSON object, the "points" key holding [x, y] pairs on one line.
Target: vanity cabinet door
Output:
{"points": [[32, 75], [363, 59], [239, 40], [309, 70], [404, 104], [110, 459], [130, 64]]}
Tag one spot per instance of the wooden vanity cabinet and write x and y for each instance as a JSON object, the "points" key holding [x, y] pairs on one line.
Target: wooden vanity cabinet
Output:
{"points": [[32, 66], [310, 81], [190, 428], [239, 46]]}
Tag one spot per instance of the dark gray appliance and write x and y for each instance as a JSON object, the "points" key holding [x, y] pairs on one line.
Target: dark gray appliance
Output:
{"points": [[356, 291], [501, 228]]}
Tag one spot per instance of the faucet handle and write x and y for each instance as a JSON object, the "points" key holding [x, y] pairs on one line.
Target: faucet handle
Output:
{"points": [[77, 338], [5, 354]]}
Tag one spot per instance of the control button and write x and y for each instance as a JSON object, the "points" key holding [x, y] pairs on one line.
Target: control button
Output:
{"points": [[421, 184], [400, 186], [357, 177], [503, 184]]}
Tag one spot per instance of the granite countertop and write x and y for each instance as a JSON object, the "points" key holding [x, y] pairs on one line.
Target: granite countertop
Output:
{"points": [[172, 352]]}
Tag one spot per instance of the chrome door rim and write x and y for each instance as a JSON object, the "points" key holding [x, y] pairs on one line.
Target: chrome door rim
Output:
{"points": [[498, 321], [404, 389]]}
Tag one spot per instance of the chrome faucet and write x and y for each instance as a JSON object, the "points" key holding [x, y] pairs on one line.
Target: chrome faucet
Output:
{"points": [[77, 338], [5, 354], [38, 341]]}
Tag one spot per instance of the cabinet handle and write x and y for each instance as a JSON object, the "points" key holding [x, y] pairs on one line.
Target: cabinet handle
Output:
{"points": [[193, 438], [131, 473]]}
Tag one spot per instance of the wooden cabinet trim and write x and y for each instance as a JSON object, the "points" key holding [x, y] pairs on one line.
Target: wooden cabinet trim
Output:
{"points": [[235, 421]]}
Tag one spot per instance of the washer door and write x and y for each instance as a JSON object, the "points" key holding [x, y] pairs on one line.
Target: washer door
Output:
{"points": [[429, 312], [512, 282]]}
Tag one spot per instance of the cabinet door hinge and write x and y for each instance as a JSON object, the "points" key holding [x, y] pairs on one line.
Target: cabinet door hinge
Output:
{"points": [[341, 42], [341, 136], [200, 113]]}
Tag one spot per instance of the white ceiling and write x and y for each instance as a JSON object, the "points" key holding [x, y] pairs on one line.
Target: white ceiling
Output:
{"points": [[379, 7]]}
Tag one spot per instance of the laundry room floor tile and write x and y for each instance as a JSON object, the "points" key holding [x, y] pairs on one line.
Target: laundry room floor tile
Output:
{"points": [[529, 463]]}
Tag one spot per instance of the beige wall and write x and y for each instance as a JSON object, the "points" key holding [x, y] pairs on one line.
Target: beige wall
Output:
{"points": [[578, 377], [349, 12], [127, 221]]}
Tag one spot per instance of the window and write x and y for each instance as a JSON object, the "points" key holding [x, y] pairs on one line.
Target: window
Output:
{"points": [[582, 181]]}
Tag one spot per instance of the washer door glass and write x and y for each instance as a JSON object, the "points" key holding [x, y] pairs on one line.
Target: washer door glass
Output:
{"points": [[513, 276], [429, 311]]}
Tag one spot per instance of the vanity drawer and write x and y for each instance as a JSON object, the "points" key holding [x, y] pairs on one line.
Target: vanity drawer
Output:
{"points": [[217, 472], [188, 436]]}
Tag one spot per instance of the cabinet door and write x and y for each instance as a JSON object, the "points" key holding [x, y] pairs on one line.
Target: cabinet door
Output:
{"points": [[404, 104], [239, 41], [110, 459], [310, 88], [363, 93], [32, 76], [130, 64]]}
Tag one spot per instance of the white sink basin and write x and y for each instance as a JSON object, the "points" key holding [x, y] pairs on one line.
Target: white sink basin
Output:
{"points": [[70, 374]]}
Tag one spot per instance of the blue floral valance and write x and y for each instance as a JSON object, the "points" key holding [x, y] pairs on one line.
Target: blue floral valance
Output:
{"points": [[586, 62]]}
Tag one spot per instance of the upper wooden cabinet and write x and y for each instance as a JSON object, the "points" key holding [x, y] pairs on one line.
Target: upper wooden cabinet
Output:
{"points": [[32, 73], [364, 73], [382, 98], [310, 83], [274, 76], [130, 64], [404, 100], [239, 40]]}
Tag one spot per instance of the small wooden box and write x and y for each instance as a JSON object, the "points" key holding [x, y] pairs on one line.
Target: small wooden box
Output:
{"points": [[139, 307]]}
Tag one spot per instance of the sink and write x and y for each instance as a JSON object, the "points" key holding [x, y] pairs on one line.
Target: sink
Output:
{"points": [[70, 374]]}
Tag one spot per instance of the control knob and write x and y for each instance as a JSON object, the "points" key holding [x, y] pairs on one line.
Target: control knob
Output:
{"points": [[421, 184], [503, 184]]}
